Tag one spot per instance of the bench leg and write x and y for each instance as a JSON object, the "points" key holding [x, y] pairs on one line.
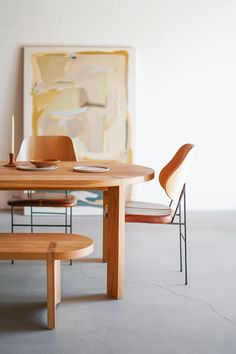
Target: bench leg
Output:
{"points": [[53, 289]]}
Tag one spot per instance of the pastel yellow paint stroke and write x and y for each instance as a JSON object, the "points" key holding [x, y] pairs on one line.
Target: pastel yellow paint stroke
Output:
{"points": [[116, 52], [50, 65], [66, 99], [41, 103]]}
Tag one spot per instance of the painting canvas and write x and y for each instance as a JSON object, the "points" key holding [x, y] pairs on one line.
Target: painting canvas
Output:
{"points": [[85, 93]]}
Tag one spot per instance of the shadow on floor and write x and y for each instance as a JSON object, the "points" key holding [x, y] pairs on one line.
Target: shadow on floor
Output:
{"points": [[22, 317], [18, 317], [87, 298]]}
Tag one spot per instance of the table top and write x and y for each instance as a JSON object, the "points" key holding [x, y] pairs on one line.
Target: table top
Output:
{"points": [[64, 178], [32, 247]]}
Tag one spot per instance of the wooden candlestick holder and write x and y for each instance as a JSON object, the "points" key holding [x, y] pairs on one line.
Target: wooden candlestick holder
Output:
{"points": [[12, 162]]}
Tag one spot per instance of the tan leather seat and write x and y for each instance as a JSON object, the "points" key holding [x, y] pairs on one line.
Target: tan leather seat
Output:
{"points": [[41, 199], [148, 213]]}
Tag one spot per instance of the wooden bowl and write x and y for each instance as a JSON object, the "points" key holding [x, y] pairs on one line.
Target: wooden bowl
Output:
{"points": [[45, 163]]}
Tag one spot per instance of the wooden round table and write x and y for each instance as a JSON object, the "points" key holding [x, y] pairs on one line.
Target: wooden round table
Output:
{"points": [[112, 183]]}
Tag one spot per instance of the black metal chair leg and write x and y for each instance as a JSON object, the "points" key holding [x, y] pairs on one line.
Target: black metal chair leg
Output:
{"points": [[71, 220], [12, 226], [12, 221], [185, 241], [66, 220], [180, 240], [182, 222], [185, 255], [71, 229], [31, 220]]}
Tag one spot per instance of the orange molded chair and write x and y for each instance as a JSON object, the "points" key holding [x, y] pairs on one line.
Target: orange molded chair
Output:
{"points": [[37, 148], [172, 178]]}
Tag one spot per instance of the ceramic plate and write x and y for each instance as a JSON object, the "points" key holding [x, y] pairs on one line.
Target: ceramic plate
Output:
{"points": [[29, 167], [95, 169]]}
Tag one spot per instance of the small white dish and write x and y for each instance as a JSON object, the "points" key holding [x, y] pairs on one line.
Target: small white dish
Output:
{"points": [[29, 167], [89, 168]]}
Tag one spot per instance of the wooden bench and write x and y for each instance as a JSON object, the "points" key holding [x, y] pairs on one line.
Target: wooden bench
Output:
{"points": [[49, 247]]}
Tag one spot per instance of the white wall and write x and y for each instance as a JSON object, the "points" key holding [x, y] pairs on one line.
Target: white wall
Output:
{"points": [[185, 77]]}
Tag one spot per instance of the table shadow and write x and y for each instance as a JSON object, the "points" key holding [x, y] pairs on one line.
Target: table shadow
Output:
{"points": [[22, 317]]}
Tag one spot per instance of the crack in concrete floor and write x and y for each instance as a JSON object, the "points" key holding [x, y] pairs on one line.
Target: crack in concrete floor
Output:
{"points": [[164, 288]]}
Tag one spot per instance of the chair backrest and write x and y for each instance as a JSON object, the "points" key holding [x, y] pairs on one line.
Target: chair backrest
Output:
{"points": [[47, 147], [173, 176]]}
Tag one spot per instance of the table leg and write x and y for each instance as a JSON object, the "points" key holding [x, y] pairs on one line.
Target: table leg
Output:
{"points": [[105, 224], [114, 230]]}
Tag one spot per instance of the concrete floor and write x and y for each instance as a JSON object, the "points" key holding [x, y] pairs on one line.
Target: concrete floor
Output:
{"points": [[158, 313]]}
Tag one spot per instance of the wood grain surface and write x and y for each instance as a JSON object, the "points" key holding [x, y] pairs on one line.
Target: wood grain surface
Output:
{"points": [[27, 246], [64, 178]]}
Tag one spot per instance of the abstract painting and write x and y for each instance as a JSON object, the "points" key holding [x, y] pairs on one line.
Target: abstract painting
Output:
{"points": [[85, 93]]}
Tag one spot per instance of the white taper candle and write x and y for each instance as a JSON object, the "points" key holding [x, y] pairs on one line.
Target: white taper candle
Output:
{"points": [[12, 134]]}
